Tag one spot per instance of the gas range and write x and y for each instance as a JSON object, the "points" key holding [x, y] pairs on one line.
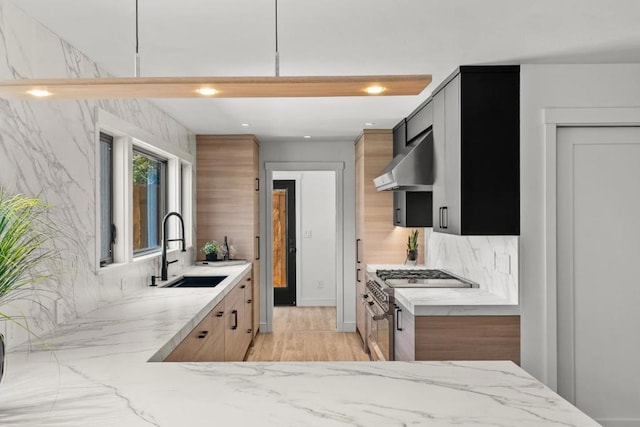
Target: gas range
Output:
{"points": [[381, 285], [420, 279]]}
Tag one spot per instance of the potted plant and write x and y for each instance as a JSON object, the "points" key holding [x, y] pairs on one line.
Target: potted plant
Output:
{"points": [[23, 234], [412, 246], [211, 250]]}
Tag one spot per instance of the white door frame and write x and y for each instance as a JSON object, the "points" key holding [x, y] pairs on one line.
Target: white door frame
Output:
{"points": [[553, 119], [338, 168]]}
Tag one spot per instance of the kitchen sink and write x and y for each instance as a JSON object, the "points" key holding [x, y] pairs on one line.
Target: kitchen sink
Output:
{"points": [[197, 282]]}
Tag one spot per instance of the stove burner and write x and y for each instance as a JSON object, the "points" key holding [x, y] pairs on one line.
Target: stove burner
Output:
{"points": [[413, 274]]}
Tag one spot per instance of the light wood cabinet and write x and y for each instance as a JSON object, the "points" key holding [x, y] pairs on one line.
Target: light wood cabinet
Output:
{"points": [[456, 337], [225, 334], [228, 200], [378, 241], [205, 343]]}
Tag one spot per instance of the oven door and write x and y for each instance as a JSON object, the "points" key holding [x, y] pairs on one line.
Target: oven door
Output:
{"points": [[378, 332]]}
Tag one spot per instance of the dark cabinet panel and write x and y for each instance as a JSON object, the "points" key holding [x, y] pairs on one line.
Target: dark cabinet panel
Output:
{"points": [[399, 136], [477, 142], [412, 208], [420, 120]]}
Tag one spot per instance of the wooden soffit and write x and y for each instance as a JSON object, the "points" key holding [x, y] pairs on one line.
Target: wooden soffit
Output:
{"points": [[225, 87]]}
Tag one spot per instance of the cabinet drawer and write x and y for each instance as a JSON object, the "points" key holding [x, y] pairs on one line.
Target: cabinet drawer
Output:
{"points": [[186, 351]]}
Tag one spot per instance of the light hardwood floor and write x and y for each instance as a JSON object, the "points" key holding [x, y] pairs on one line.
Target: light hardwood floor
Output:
{"points": [[306, 334]]}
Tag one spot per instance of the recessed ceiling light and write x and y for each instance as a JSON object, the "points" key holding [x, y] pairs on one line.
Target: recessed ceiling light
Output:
{"points": [[374, 90], [307, 137], [245, 125], [39, 93], [370, 124], [207, 91]]}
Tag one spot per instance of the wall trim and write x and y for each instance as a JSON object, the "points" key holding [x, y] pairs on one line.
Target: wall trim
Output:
{"points": [[267, 287], [553, 119]]}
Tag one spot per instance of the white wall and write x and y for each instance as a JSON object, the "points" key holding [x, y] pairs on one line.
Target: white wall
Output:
{"points": [[316, 220], [554, 86], [317, 151], [490, 261], [48, 149]]}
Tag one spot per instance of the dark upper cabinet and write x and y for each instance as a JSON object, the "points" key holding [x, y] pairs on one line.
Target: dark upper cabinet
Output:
{"points": [[411, 208], [399, 136], [476, 130], [420, 120]]}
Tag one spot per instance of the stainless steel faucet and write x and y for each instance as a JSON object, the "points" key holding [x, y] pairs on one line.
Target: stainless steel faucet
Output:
{"points": [[165, 263]]}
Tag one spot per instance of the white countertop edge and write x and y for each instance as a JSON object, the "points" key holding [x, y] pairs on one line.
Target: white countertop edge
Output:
{"points": [[222, 289]]}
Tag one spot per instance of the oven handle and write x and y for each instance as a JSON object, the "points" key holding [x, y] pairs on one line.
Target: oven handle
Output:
{"points": [[374, 316]]}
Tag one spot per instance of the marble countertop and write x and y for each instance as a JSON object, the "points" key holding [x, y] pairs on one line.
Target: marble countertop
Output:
{"points": [[448, 301], [96, 371]]}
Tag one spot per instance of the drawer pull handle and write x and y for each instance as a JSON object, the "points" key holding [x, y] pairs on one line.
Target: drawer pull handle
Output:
{"points": [[235, 319], [243, 286], [249, 331], [220, 314], [202, 334], [249, 301]]}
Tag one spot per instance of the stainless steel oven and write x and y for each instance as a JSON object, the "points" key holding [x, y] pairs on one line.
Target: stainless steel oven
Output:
{"points": [[379, 338]]}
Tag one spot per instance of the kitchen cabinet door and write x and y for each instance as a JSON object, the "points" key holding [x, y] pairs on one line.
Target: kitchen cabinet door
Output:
{"points": [[247, 312], [439, 147], [234, 336], [476, 129], [404, 335], [451, 211]]}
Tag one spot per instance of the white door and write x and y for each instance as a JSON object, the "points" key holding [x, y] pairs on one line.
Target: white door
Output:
{"points": [[599, 272]]}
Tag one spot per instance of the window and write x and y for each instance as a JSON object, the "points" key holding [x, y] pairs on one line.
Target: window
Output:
{"points": [[149, 207], [107, 229]]}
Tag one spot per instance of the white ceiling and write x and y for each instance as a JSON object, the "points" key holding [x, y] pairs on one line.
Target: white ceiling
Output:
{"points": [[333, 37]]}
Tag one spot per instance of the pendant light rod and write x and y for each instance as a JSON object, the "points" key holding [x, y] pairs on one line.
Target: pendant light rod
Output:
{"points": [[277, 52], [137, 59]]}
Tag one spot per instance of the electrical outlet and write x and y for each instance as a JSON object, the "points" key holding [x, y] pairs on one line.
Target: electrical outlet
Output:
{"points": [[307, 234], [503, 263], [59, 311], [320, 284]]}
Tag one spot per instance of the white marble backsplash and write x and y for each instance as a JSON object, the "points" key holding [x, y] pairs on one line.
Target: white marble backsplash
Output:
{"points": [[478, 258], [48, 149]]}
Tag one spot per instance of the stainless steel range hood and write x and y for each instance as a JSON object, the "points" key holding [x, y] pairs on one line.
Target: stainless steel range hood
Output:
{"points": [[411, 169]]}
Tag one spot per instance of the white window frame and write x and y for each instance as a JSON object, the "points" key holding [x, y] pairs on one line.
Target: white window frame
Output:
{"points": [[179, 181]]}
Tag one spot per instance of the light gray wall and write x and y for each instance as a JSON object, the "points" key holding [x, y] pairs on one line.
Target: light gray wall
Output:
{"points": [[317, 151], [554, 86], [48, 149]]}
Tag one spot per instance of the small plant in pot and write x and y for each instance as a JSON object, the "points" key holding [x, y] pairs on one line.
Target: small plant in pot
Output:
{"points": [[211, 250], [412, 246], [24, 232]]}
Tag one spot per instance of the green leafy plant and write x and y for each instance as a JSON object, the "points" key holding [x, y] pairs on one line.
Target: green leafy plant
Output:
{"points": [[24, 232], [211, 247], [412, 241]]}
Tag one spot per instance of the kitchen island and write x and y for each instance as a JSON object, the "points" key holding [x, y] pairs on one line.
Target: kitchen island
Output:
{"points": [[96, 371]]}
